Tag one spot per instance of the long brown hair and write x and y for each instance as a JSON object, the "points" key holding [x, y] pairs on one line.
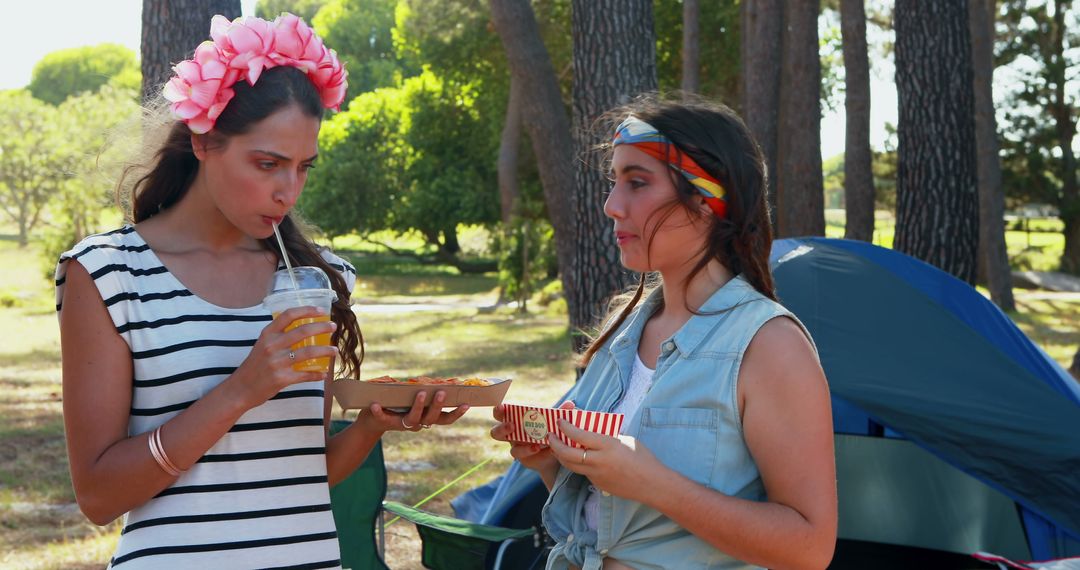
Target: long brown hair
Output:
{"points": [[718, 141], [173, 167]]}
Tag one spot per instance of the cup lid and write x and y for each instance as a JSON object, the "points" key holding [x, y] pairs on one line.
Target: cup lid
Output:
{"points": [[306, 277]]}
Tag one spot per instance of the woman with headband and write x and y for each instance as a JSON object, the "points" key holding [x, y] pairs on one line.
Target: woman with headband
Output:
{"points": [[726, 456], [182, 408]]}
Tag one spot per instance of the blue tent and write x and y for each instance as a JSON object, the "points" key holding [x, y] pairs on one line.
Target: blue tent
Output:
{"points": [[954, 432]]}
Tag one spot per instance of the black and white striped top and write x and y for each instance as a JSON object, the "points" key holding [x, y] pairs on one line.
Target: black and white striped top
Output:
{"points": [[259, 498]]}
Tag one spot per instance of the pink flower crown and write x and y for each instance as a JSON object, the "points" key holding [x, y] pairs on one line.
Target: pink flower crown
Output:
{"points": [[202, 86]]}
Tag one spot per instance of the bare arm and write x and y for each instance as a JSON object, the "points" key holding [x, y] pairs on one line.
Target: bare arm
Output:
{"points": [[113, 473], [788, 428], [349, 448]]}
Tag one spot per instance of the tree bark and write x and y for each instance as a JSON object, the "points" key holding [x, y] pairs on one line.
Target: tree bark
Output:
{"points": [[761, 22], [546, 123], [937, 202], [171, 30], [858, 174], [800, 196], [614, 60], [691, 50], [1065, 126], [993, 255], [507, 165]]}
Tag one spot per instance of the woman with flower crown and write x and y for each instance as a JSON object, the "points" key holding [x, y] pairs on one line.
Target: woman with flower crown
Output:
{"points": [[181, 406]]}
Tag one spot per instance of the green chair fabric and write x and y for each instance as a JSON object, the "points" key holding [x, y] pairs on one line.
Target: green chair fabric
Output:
{"points": [[454, 544], [357, 506]]}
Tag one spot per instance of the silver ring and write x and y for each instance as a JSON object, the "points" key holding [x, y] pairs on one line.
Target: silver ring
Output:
{"points": [[425, 426], [584, 454], [405, 425], [292, 355]]}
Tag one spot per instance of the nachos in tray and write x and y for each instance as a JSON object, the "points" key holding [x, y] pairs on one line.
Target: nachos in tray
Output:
{"points": [[400, 392]]}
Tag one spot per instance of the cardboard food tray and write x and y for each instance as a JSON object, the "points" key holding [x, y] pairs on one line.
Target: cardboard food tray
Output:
{"points": [[531, 424], [358, 394]]}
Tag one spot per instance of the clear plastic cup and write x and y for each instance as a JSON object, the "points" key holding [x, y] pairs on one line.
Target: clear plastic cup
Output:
{"points": [[312, 290]]}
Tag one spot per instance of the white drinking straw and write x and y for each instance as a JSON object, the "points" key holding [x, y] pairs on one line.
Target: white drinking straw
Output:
{"points": [[285, 257]]}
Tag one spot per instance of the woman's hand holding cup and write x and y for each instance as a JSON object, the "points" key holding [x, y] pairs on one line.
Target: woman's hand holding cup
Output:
{"points": [[269, 366]]}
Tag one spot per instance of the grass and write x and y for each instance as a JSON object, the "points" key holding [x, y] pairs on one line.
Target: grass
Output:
{"points": [[1039, 249], [41, 529]]}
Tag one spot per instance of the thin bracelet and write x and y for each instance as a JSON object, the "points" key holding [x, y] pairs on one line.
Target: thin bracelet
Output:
{"points": [[165, 456], [160, 457]]}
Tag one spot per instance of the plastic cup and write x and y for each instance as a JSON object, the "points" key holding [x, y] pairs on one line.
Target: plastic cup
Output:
{"points": [[313, 291]]}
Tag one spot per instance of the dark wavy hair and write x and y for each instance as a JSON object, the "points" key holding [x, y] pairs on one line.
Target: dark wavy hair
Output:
{"points": [[173, 167], [718, 141]]}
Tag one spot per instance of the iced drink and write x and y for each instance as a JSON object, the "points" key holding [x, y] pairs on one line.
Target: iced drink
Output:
{"points": [[306, 287]]}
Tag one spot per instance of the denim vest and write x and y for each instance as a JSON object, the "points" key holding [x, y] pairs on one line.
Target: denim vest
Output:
{"points": [[689, 420]]}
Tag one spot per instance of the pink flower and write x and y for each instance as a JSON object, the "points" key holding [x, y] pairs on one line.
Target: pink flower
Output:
{"points": [[244, 47], [248, 43], [330, 79], [198, 92], [296, 44]]}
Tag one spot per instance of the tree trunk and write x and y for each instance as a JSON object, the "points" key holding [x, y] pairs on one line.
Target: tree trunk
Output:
{"points": [[858, 175], [24, 232], [507, 164], [171, 30], [1065, 125], [761, 22], [800, 196], [691, 51], [546, 123], [993, 255], [937, 216], [614, 60]]}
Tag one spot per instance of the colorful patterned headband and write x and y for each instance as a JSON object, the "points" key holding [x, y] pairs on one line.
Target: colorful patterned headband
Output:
{"points": [[645, 137], [202, 86]]}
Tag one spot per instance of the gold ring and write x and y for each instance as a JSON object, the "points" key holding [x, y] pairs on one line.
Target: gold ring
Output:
{"points": [[584, 454], [425, 426], [405, 425]]}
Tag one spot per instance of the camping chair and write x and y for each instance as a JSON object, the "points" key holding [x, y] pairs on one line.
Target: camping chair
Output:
{"points": [[455, 544], [357, 506]]}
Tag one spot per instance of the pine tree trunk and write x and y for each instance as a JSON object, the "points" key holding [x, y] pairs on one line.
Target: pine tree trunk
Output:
{"points": [[691, 50], [993, 255], [171, 30], [858, 175], [614, 60], [546, 122], [761, 22], [800, 196], [937, 216], [1064, 114], [507, 164]]}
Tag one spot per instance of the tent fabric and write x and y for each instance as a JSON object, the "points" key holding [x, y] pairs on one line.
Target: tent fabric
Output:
{"points": [[919, 352], [913, 353]]}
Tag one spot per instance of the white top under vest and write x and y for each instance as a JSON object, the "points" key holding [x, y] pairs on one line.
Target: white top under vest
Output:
{"points": [[259, 498], [640, 381]]}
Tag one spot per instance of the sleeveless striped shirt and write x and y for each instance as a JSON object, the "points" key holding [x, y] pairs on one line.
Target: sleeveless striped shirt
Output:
{"points": [[259, 498]]}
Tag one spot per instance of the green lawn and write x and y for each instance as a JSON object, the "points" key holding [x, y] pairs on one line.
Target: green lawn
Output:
{"points": [[39, 528]]}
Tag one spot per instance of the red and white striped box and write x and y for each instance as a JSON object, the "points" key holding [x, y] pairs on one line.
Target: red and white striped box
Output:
{"points": [[531, 424]]}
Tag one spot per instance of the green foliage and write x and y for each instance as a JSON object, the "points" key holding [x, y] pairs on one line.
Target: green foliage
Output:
{"points": [[527, 247], [306, 9], [102, 128], [68, 72], [36, 158], [1039, 57], [361, 31], [361, 170], [416, 157], [719, 46]]}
